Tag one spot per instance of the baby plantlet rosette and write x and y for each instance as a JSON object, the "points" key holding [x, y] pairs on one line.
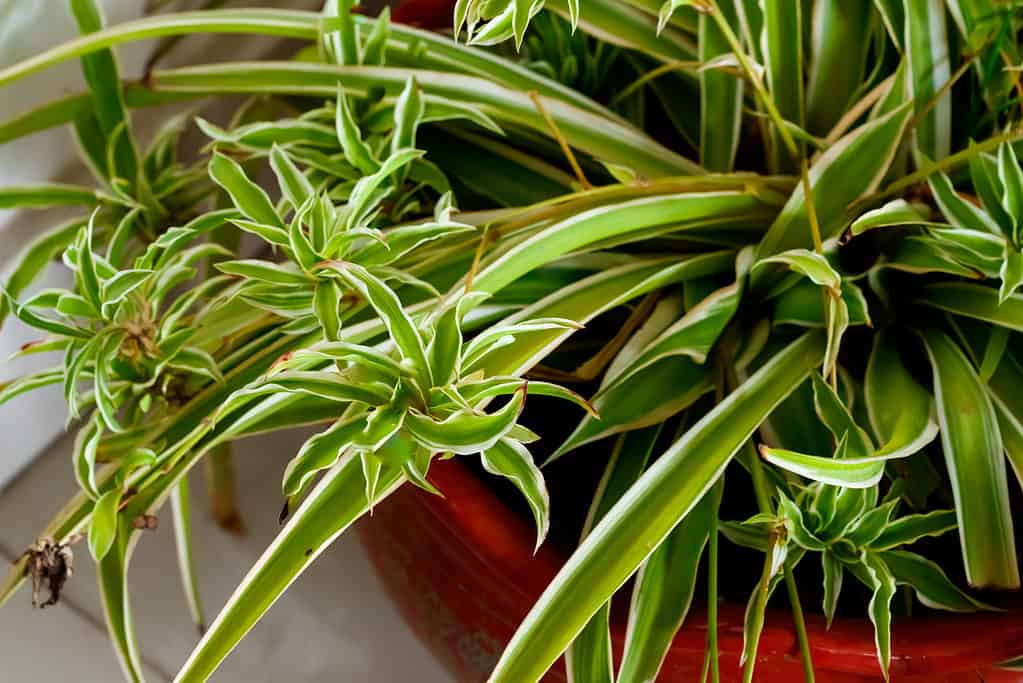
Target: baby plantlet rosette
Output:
{"points": [[406, 238]]}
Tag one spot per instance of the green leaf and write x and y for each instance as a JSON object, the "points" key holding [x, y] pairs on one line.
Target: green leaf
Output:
{"points": [[12, 388], [882, 583], [984, 174], [911, 528], [647, 397], [86, 276], [795, 526], [37, 255], [510, 459], [371, 467], [591, 296], [839, 45], [1011, 176], [599, 135], [664, 590], [326, 384], [862, 532], [919, 254], [373, 48], [263, 271], [927, 51], [972, 445], [103, 524], [994, 351], [846, 171], [346, 351], [371, 189], [356, 150], [385, 302], [466, 433], [855, 473], [693, 335], [301, 247], [803, 305], [659, 500], [1011, 273], [106, 403], [100, 70], [589, 659], [974, 301], [837, 324], [246, 195], [122, 284], [180, 511], [957, 210], [197, 362], [408, 114], [776, 558], [932, 587], [337, 502], [445, 349], [271, 233], [320, 452], [895, 212], [833, 573], [720, 95], [782, 47], [45, 195], [836, 417], [112, 572], [293, 183], [805, 262], [326, 299], [402, 240]]}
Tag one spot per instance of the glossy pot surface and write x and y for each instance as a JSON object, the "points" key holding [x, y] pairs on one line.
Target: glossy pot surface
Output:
{"points": [[463, 573]]}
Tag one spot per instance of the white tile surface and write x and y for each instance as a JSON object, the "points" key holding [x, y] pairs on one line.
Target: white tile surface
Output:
{"points": [[333, 625]]}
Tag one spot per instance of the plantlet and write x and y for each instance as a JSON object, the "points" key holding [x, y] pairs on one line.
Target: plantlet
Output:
{"points": [[766, 255]]}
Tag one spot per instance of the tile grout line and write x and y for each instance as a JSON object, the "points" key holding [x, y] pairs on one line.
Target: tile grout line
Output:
{"points": [[85, 615]]}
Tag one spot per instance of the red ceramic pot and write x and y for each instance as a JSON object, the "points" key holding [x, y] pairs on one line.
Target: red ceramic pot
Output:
{"points": [[425, 13], [462, 571]]}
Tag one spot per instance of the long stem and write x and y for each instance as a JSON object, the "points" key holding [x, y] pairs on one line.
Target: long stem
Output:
{"points": [[779, 121], [712, 597], [758, 86], [945, 164], [760, 489], [800, 624]]}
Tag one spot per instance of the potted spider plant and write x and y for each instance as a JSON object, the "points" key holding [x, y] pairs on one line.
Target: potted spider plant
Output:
{"points": [[715, 296]]}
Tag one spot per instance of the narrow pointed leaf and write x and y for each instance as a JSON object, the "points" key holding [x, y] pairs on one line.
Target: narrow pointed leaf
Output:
{"points": [[511, 460], [337, 502], [465, 433], [658, 501], [181, 512], [932, 587], [589, 659], [103, 525], [246, 195], [664, 591], [911, 528], [973, 446], [849, 169]]}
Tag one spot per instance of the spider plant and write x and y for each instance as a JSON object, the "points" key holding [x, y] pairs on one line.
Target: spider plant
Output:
{"points": [[803, 218]]}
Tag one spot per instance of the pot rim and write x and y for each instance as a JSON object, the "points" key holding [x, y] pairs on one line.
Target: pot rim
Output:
{"points": [[504, 542]]}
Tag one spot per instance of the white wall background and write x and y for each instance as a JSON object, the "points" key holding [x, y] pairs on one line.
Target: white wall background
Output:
{"points": [[333, 625], [26, 27]]}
